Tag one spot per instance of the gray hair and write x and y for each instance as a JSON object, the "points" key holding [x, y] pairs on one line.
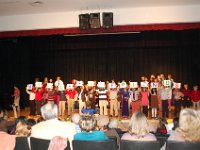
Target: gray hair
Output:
{"points": [[49, 111], [113, 124], [75, 118]]}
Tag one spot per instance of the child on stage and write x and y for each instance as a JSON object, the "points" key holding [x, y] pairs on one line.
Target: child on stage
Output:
{"points": [[154, 102]]}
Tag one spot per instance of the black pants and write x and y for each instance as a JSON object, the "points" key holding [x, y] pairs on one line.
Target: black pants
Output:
{"points": [[38, 106], [145, 110], [177, 107], [165, 109], [32, 107], [185, 102]]}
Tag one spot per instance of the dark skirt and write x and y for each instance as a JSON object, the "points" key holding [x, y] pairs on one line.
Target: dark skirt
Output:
{"points": [[154, 101], [125, 111]]}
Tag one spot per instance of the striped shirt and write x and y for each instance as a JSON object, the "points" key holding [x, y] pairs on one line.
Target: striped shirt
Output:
{"points": [[103, 95]]}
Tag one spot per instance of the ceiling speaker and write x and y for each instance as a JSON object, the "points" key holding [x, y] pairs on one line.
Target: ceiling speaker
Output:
{"points": [[84, 21], [95, 20], [107, 20]]}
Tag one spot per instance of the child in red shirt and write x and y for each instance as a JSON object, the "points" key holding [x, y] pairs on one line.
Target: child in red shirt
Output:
{"points": [[195, 97]]}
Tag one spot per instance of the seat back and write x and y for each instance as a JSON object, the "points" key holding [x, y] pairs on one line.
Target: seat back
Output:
{"points": [[94, 145], [41, 144], [162, 139], [139, 145], [21, 143], [173, 145]]}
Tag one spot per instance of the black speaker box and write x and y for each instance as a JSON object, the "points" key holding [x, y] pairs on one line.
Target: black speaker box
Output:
{"points": [[84, 21], [107, 19], [95, 20]]}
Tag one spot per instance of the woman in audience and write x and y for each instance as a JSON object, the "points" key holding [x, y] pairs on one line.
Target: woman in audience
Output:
{"points": [[189, 127], [22, 129], [88, 124], [111, 130], [139, 129]]}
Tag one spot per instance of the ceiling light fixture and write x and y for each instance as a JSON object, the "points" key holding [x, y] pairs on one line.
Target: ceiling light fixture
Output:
{"points": [[36, 4]]}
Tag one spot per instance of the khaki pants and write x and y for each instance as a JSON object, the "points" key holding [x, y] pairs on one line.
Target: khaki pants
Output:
{"points": [[103, 107], [70, 103], [196, 105], [62, 108], [81, 106], [114, 107]]}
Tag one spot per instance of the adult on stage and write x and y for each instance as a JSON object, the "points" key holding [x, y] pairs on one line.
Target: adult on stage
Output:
{"points": [[113, 101], [16, 105]]}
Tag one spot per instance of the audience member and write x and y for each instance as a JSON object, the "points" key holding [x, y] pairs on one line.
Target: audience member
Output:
{"points": [[88, 124], [139, 129], [162, 126], [189, 127], [52, 126], [22, 129], [75, 120]]}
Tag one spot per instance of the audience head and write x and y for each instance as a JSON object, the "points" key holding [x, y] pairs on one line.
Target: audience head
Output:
{"points": [[31, 122], [189, 125], [113, 124], [58, 143], [175, 123], [49, 111], [87, 122], [22, 129], [21, 119], [40, 119], [138, 124], [162, 122], [102, 122], [75, 118]]}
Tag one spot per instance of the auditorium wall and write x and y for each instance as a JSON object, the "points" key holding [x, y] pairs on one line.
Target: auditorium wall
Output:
{"points": [[122, 16]]}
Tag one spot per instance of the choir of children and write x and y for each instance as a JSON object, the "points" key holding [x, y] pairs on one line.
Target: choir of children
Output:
{"points": [[153, 94]]}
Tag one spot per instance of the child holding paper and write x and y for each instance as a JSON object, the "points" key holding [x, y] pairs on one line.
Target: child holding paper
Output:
{"points": [[178, 95], [38, 99], [134, 96], [31, 101]]}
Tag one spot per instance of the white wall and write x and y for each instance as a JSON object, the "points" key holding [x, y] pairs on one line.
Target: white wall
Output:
{"points": [[123, 16]]}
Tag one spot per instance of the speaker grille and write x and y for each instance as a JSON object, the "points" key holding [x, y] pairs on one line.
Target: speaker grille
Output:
{"points": [[107, 20]]}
